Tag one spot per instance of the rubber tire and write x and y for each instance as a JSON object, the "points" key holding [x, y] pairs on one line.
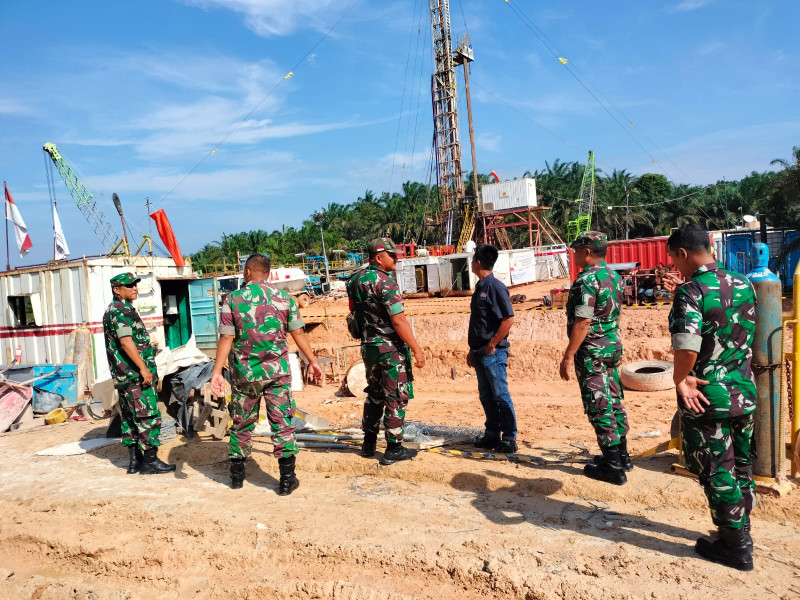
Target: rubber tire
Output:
{"points": [[303, 300], [647, 382]]}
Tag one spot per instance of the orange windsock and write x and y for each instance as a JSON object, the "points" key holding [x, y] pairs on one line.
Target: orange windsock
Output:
{"points": [[168, 236]]}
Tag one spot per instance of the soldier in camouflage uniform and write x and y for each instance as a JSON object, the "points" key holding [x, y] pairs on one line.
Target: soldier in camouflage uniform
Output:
{"points": [[131, 359], [712, 323], [254, 322], [385, 341], [595, 348]]}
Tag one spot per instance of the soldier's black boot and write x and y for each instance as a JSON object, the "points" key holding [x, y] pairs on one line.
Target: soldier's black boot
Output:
{"points": [[748, 538], [610, 468], [369, 444], [151, 464], [395, 453], [237, 472], [136, 459], [627, 463], [507, 447], [489, 441], [289, 481], [730, 549]]}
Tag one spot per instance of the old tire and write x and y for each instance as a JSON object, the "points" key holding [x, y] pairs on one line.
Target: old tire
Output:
{"points": [[303, 300], [647, 375]]}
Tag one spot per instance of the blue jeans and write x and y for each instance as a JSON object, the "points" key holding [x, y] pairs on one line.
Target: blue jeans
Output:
{"points": [[493, 391]]}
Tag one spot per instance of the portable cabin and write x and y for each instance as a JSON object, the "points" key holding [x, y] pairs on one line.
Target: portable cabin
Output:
{"points": [[43, 304]]}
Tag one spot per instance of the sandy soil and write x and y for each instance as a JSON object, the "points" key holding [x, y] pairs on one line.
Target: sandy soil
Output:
{"points": [[436, 527]]}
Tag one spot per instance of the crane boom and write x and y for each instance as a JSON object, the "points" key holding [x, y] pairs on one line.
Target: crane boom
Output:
{"points": [[583, 222], [102, 228]]}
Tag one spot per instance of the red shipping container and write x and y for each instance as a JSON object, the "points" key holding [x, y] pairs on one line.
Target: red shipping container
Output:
{"points": [[651, 253]]}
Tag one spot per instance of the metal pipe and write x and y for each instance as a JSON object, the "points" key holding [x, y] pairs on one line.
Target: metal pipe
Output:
{"points": [[795, 368], [768, 367], [323, 445]]}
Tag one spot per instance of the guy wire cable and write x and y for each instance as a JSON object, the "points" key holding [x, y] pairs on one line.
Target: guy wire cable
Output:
{"points": [[403, 97], [260, 102], [551, 48]]}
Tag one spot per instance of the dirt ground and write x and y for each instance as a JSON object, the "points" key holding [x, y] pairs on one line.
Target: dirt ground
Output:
{"points": [[437, 527]]}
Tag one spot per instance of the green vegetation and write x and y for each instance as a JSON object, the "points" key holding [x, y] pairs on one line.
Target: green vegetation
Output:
{"points": [[655, 205]]}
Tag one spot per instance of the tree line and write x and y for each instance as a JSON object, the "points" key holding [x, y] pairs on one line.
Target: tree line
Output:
{"points": [[642, 206]]}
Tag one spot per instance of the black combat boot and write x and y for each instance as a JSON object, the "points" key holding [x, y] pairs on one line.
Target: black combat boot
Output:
{"points": [[506, 447], [730, 549], [237, 472], [489, 441], [368, 447], [395, 453], [627, 463], [136, 459], [610, 468], [748, 538], [289, 481], [151, 464]]}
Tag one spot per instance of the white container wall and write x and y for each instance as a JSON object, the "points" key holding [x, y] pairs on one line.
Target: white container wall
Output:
{"points": [[66, 295], [507, 195]]}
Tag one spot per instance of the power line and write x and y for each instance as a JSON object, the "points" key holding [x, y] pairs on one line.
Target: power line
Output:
{"points": [[663, 201]]}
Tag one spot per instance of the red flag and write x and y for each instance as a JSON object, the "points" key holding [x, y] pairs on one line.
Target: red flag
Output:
{"points": [[167, 236], [20, 231]]}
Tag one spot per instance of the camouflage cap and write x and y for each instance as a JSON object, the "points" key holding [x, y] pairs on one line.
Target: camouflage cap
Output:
{"points": [[590, 239], [124, 279], [382, 245]]}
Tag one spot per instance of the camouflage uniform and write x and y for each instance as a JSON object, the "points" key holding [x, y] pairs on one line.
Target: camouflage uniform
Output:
{"points": [[597, 294], [714, 315], [376, 297], [141, 419], [260, 316]]}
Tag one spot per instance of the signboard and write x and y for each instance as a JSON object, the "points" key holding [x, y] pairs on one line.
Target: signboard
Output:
{"points": [[522, 267]]}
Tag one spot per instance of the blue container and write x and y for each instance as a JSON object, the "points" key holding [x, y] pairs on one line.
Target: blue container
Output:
{"points": [[63, 382]]}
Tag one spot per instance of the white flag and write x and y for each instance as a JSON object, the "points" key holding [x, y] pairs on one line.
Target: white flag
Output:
{"points": [[62, 250], [20, 231]]}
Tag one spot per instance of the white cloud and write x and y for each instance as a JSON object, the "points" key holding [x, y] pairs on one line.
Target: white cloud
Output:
{"points": [[724, 154], [687, 5], [279, 17], [234, 90], [489, 142], [711, 47], [12, 107]]}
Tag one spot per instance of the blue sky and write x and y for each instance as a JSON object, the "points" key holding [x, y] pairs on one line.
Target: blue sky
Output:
{"points": [[136, 94]]}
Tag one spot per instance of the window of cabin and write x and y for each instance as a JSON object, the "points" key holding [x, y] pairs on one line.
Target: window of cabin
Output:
{"points": [[26, 309]]}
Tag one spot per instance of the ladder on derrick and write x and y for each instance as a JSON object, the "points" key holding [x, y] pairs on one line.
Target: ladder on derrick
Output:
{"points": [[502, 239], [467, 229]]}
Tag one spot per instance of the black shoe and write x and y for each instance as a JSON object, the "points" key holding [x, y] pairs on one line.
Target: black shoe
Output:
{"points": [[151, 464], [487, 442], [368, 446], [136, 459], [610, 468], [730, 549], [237, 472], [506, 447], [747, 537], [396, 454], [627, 463], [289, 481]]}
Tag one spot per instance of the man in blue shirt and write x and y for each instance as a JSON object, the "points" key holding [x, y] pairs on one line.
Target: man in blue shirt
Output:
{"points": [[490, 320]]}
